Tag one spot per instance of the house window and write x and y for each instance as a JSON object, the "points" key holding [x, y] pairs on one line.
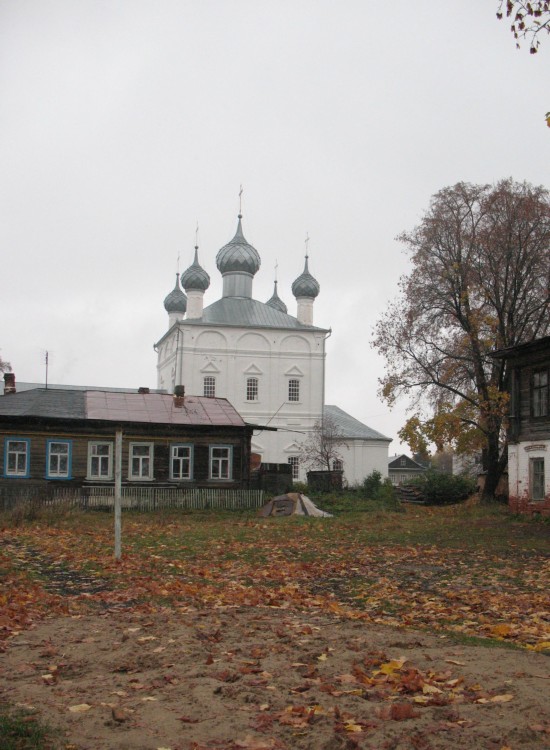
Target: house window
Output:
{"points": [[16, 457], [58, 459], [536, 466], [403, 461], [209, 386], [540, 393], [294, 462], [337, 465], [181, 462], [252, 389], [293, 390], [220, 461], [100, 460], [140, 461]]}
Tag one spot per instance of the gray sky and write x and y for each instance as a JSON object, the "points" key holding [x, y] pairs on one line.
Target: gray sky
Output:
{"points": [[124, 122]]}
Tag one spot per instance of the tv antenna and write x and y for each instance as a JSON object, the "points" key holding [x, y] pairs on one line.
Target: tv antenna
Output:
{"points": [[46, 362]]}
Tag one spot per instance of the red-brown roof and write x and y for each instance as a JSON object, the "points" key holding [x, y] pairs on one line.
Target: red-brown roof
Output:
{"points": [[160, 409], [117, 406]]}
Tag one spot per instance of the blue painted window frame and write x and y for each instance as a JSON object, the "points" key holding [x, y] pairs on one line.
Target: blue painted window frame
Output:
{"points": [[27, 442]]}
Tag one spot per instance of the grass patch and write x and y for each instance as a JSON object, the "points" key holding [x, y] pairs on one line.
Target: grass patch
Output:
{"points": [[23, 730], [456, 568]]}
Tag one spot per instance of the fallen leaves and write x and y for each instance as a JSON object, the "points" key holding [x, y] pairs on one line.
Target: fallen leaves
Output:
{"points": [[505, 698], [311, 567], [374, 686], [79, 708]]}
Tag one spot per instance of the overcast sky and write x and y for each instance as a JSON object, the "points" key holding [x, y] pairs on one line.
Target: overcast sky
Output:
{"points": [[123, 123]]}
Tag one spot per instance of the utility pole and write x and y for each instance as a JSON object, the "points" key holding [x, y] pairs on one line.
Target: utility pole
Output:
{"points": [[118, 494]]}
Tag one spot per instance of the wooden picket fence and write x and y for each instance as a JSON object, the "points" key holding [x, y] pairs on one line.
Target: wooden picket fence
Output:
{"points": [[134, 498]]}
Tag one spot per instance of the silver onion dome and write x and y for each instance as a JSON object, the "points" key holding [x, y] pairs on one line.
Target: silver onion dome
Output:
{"points": [[176, 301], [195, 277], [238, 256], [276, 301], [305, 285]]}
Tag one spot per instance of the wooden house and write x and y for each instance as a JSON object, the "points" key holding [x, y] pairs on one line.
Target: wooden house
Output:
{"points": [[401, 468], [528, 368], [68, 437]]}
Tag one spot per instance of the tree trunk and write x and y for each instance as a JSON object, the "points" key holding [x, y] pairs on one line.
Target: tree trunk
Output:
{"points": [[494, 465]]}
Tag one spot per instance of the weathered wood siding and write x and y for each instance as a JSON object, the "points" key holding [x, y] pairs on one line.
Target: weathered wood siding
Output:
{"points": [[80, 439]]}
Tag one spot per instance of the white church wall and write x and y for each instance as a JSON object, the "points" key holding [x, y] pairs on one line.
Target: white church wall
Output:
{"points": [[362, 457], [232, 353]]}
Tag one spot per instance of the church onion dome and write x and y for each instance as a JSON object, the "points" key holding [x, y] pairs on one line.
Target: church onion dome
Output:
{"points": [[195, 278], [305, 285], [176, 301], [238, 256], [276, 301]]}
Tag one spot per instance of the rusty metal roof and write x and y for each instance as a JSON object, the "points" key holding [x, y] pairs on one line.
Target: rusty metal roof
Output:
{"points": [[156, 408], [151, 408]]}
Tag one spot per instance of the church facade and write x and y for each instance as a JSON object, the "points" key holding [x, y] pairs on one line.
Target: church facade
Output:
{"points": [[269, 364]]}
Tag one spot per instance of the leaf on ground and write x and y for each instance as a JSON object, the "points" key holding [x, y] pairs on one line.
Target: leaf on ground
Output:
{"points": [[391, 666], [501, 630]]}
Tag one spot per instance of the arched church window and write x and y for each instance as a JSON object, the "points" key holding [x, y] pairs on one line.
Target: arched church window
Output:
{"points": [[209, 386], [252, 389], [293, 390]]}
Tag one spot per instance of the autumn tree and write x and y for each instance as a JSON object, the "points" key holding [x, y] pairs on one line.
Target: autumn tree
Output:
{"points": [[4, 366], [322, 447], [479, 282], [530, 19]]}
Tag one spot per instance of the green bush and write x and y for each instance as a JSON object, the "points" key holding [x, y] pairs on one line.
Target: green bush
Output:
{"points": [[442, 489], [371, 485], [379, 491]]}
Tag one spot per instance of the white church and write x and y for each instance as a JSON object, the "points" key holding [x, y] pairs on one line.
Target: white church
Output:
{"points": [[269, 364]]}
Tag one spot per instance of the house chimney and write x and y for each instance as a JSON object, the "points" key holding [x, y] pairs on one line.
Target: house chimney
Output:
{"points": [[179, 396], [143, 390], [9, 383]]}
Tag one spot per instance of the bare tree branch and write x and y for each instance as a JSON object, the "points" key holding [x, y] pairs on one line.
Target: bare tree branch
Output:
{"points": [[321, 449]]}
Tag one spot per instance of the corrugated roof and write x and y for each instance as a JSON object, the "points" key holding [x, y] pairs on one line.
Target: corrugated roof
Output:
{"points": [[43, 402], [24, 386], [151, 408], [351, 427], [248, 313]]}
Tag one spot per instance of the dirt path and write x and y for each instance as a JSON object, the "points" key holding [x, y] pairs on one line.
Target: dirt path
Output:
{"points": [[260, 678]]}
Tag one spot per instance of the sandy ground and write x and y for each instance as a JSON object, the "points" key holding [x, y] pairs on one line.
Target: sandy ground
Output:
{"points": [[261, 678]]}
